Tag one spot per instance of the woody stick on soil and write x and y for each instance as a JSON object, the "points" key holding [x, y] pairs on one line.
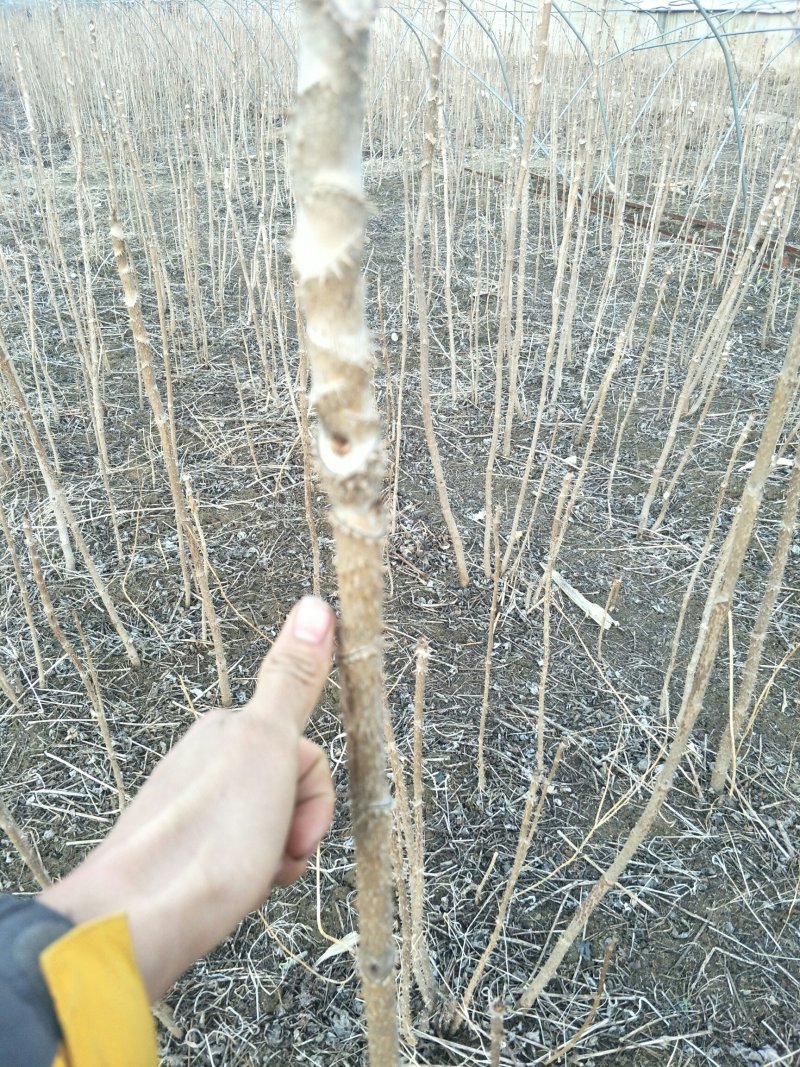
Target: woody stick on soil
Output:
{"points": [[327, 251]]}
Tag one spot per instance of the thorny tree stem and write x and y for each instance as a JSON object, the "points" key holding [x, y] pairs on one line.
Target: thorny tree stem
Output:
{"points": [[518, 210], [327, 252], [758, 637], [487, 667], [144, 359], [87, 676], [429, 138], [26, 602], [49, 471], [420, 954]]}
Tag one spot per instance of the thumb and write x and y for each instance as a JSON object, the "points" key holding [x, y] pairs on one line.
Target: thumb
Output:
{"points": [[294, 671]]}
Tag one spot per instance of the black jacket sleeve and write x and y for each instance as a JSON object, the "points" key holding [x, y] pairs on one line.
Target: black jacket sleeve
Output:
{"points": [[29, 1030]]}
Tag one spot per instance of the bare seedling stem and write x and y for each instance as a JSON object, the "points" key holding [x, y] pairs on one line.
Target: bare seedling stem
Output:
{"points": [[534, 803], [27, 853], [758, 636], [487, 665], [429, 139], [26, 600], [87, 676], [327, 250], [200, 564], [144, 358]]}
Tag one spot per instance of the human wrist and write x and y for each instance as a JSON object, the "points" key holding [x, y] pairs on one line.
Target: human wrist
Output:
{"points": [[97, 890]]}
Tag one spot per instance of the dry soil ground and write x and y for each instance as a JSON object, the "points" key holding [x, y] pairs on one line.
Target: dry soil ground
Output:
{"points": [[707, 917]]}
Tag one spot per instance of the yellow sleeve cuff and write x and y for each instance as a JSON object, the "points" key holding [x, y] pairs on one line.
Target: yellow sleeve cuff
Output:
{"points": [[99, 997]]}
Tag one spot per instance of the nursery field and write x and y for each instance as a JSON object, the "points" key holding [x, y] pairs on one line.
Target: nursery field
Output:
{"points": [[589, 321]]}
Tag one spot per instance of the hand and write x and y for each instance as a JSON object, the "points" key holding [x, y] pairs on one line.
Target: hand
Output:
{"points": [[237, 806]]}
